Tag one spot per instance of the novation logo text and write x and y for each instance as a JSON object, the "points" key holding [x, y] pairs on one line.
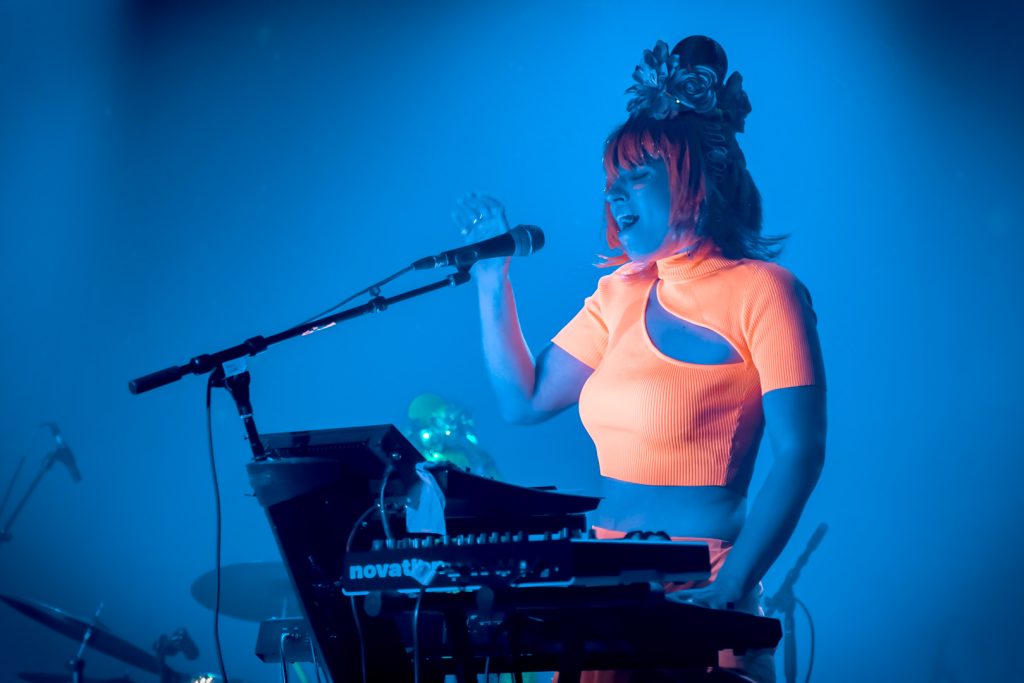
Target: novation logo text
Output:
{"points": [[380, 570]]}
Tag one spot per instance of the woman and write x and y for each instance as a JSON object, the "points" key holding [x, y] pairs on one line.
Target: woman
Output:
{"points": [[687, 352]]}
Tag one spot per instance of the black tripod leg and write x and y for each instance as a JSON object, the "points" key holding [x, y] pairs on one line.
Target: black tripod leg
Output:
{"points": [[465, 671], [572, 660]]}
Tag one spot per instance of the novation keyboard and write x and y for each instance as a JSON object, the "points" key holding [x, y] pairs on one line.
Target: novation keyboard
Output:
{"points": [[467, 562], [515, 586]]}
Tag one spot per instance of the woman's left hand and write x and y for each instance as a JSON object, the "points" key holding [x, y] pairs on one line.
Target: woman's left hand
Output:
{"points": [[720, 594]]}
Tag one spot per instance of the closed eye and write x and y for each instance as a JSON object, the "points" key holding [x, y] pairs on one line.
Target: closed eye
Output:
{"points": [[640, 179]]}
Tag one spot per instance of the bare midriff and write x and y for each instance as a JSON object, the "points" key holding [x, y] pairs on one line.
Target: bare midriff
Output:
{"points": [[692, 511]]}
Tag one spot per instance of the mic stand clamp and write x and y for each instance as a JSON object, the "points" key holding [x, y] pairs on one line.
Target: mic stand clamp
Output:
{"points": [[233, 376]]}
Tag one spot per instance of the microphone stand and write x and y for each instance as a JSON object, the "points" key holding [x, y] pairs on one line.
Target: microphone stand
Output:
{"points": [[45, 466], [235, 379], [786, 601]]}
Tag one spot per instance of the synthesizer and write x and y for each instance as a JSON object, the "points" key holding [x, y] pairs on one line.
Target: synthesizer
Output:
{"points": [[565, 558]]}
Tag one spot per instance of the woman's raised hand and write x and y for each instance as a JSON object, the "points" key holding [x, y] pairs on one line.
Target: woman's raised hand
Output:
{"points": [[479, 217]]}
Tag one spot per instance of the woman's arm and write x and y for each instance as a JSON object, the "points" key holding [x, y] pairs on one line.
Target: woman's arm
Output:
{"points": [[528, 391], [796, 424]]}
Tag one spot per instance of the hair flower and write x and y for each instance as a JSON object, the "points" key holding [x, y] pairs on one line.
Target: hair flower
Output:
{"points": [[664, 88], [734, 103]]}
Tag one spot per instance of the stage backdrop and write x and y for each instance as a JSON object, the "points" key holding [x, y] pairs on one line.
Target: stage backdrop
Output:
{"points": [[178, 176]]}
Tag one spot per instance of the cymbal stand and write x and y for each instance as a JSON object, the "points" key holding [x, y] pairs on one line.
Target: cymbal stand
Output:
{"points": [[77, 663], [47, 464], [10, 485]]}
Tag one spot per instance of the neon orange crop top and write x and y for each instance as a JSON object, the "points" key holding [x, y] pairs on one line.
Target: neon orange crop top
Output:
{"points": [[657, 420]]}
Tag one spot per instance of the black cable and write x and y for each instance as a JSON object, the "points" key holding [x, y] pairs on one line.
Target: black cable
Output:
{"points": [[416, 638], [383, 511], [359, 635], [357, 525], [810, 621], [355, 610], [216, 502], [316, 660], [348, 546], [284, 660]]}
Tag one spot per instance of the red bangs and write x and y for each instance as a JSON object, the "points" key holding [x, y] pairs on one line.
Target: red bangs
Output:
{"points": [[630, 148]]}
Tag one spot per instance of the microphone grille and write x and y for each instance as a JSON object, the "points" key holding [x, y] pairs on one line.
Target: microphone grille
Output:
{"points": [[529, 239]]}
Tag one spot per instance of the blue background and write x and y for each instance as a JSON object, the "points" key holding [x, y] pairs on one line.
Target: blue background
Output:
{"points": [[177, 176]]}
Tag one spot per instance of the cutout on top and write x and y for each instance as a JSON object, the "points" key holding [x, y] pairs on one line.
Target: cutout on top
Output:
{"points": [[684, 341]]}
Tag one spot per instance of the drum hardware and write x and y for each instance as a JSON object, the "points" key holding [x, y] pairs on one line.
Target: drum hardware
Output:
{"points": [[262, 592], [287, 641], [61, 453], [91, 633], [33, 677], [251, 591]]}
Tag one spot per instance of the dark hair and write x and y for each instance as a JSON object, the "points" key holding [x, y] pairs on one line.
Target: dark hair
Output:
{"points": [[711, 189]]}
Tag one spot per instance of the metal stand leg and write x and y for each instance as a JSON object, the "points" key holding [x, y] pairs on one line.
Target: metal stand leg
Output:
{"points": [[465, 671]]}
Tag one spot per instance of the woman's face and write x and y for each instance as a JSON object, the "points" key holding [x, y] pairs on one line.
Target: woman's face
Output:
{"points": [[640, 202]]}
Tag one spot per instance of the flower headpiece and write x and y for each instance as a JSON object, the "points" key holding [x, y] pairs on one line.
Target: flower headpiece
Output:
{"points": [[665, 88]]}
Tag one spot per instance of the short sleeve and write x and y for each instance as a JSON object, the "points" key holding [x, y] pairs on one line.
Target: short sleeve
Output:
{"points": [[585, 337], [780, 327]]}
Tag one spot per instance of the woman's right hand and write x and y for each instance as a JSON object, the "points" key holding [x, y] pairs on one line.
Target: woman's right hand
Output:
{"points": [[479, 217]]}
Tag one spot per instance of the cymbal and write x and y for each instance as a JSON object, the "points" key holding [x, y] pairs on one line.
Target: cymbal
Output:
{"points": [[66, 678], [252, 591], [74, 627]]}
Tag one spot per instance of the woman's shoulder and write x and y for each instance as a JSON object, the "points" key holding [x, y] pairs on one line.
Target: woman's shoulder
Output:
{"points": [[760, 276], [770, 285], [766, 269]]}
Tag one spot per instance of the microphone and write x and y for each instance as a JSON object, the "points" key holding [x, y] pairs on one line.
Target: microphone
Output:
{"points": [[521, 240], [63, 452]]}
